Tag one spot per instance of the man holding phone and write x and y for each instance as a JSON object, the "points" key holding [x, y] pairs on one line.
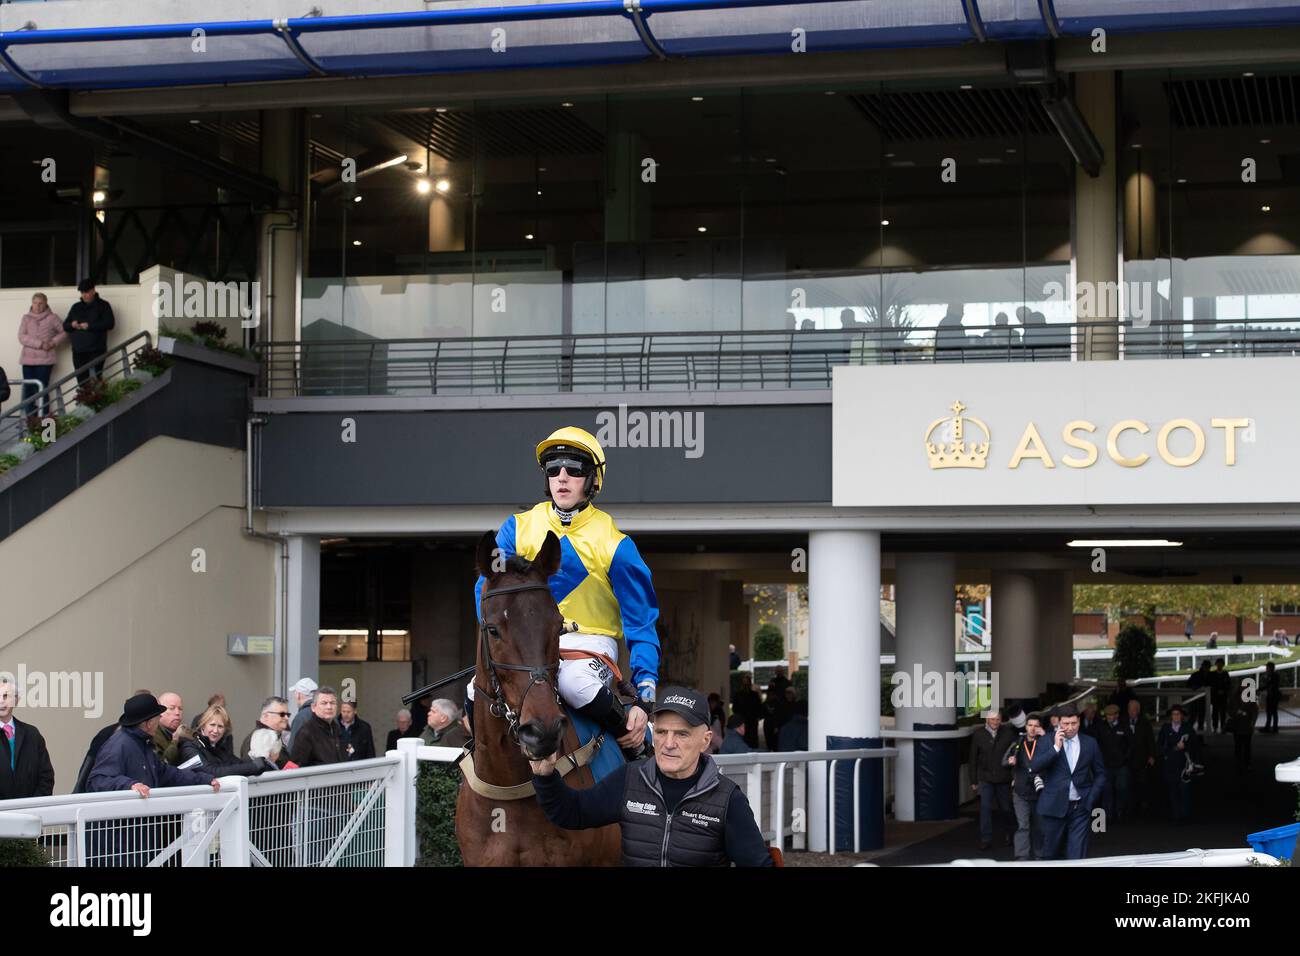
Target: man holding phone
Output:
{"points": [[1074, 778]]}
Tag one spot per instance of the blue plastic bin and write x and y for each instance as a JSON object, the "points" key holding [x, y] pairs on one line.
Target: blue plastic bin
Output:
{"points": [[1279, 842]]}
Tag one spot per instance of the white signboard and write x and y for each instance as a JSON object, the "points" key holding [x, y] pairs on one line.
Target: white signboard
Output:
{"points": [[1144, 432]]}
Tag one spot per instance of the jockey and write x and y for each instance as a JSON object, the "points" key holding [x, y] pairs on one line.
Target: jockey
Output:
{"points": [[603, 588]]}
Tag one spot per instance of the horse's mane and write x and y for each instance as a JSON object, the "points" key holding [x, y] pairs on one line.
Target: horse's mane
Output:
{"points": [[518, 565]]}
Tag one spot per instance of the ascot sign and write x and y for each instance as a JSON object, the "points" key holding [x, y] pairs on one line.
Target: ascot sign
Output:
{"points": [[1080, 433]]}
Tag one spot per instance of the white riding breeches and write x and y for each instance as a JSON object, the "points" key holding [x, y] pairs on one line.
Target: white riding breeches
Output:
{"points": [[582, 679]]}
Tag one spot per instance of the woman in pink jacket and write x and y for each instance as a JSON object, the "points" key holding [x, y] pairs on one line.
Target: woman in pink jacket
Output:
{"points": [[41, 333]]}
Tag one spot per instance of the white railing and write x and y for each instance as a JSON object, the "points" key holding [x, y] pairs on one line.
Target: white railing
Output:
{"points": [[1199, 858]]}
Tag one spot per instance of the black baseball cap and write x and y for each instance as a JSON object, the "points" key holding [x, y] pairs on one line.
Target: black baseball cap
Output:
{"points": [[691, 705]]}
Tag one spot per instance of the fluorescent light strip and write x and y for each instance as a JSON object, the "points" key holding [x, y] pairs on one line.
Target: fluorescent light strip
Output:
{"points": [[1125, 543]]}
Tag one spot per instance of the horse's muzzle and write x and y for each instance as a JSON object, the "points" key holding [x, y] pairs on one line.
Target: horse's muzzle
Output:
{"points": [[537, 741]]}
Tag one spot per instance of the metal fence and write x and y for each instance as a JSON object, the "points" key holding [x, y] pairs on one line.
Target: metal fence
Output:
{"points": [[717, 361]]}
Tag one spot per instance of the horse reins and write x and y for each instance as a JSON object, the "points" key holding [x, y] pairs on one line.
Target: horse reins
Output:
{"points": [[537, 673]]}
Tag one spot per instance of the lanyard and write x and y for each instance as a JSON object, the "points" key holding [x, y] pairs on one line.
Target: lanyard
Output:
{"points": [[1030, 747]]}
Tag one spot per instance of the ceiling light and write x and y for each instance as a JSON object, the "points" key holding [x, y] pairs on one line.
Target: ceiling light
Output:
{"points": [[356, 242], [697, 99], [966, 86], [1265, 208], [315, 115], [1248, 74], [528, 235], [566, 104], [356, 199], [442, 185], [1137, 146], [539, 192], [195, 122], [1265, 142], [1010, 149], [890, 155], [1182, 180], [884, 222], [701, 228], [440, 109], [423, 187], [1125, 543], [99, 195], [770, 159], [830, 92]]}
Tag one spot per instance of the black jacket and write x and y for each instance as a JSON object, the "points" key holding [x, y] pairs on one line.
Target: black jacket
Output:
{"points": [[317, 742], [988, 752], [395, 735], [96, 313], [711, 823], [4, 385], [217, 760], [1022, 782], [360, 737], [1116, 744], [83, 775], [32, 774], [1142, 741]]}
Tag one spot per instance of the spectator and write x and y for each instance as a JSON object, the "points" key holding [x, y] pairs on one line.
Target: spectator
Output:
{"points": [[777, 706], [1220, 686], [1175, 744], [404, 729], [41, 333], [88, 323], [165, 740], [991, 776], [1116, 752], [1142, 758], [733, 659], [1025, 787], [301, 693], [1189, 629], [1198, 680], [266, 744], [1089, 722], [25, 768], [1270, 686], [444, 728], [203, 750], [779, 681], [320, 739], [358, 741], [88, 762], [1213, 642], [275, 718], [216, 700], [735, 742], [794, 732], [748, 705], [1241, 722], [129, 760], [717, 722], [1122, 695], [1074, 778]]}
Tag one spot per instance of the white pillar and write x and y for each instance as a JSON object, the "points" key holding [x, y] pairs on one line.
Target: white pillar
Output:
{"points": [[302, 642], [926, 643], [1015, 644], [843, 651]]}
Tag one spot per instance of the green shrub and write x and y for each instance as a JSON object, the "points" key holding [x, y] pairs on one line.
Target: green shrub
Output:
{"points": [[151, 360], [769, 643], [799, 681], [9, 461], [436, 788], [1135, 653], [22, 853]]}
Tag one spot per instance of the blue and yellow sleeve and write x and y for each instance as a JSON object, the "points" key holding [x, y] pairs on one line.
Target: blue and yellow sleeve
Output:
{"points": [[506, 542], [639, 609]]}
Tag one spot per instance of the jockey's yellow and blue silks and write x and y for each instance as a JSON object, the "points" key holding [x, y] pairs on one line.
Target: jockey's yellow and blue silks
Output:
{"points": [[603, 583]]}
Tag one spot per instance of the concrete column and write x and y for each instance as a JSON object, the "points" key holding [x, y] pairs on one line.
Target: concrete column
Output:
{"points": [[1096, 226], [302, 640], [282, 159], [1055, 627], [925, 584], [1015, 643], [844, 651]]}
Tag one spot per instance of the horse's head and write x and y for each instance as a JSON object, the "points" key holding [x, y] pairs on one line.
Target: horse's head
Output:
{"points": [[519, 642]]}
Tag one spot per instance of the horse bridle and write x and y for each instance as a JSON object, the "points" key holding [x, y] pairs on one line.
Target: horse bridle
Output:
{"points": [[537, 674]]}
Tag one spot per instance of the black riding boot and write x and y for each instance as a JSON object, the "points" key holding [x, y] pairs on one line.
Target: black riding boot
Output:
{"points": [[611, 716]]}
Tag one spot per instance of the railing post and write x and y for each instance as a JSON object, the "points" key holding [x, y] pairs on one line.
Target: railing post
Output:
{"points": [[399, 806], [234, 834], [778, 808]]}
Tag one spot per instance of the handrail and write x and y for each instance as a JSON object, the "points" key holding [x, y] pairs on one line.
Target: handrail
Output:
{"points": [[13, 422], [679, 360]]}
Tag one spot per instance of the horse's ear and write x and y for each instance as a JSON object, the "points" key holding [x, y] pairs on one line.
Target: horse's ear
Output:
{"points": [[485, 555], [548, 558]]}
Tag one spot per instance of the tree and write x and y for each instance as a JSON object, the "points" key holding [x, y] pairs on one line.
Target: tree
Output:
{"points": [[1135, 653], [768, 643]]}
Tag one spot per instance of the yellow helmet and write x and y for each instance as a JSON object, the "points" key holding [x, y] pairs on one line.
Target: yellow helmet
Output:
{"points": [[572, 438]]}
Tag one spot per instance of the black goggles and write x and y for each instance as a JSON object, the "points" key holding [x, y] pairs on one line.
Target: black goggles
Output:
{"points": [[576, 467]]}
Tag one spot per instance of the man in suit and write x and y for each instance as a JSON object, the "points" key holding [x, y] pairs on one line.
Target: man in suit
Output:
{"points": [[1116, 745], [991, 777], [1177, 739], [1142, 758], [25, 768], [1074, 778]]}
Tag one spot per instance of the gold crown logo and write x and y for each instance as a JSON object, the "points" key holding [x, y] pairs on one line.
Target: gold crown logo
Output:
{"points": [[957, 453]]}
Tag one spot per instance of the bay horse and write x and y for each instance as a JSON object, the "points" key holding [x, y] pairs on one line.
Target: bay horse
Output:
{"points": [[517, 712]]}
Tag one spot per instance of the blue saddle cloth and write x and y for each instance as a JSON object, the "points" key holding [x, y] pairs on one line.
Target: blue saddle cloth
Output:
{"points": [[609, 758]]}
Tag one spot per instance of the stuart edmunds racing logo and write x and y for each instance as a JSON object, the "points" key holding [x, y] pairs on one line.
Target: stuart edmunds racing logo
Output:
{"points": [[951, 450]]}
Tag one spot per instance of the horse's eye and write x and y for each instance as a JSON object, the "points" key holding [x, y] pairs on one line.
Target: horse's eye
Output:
{"points": [[493, 632]]}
